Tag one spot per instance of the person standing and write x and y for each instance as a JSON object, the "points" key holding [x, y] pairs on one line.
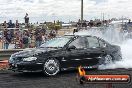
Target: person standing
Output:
{"points": [[52, 33], [79, 24], [11, 25], [4, 24], [17, 31], [91, 23], [7, 38], [17, 24], [25, 40], [26, 20], [38, 38]]}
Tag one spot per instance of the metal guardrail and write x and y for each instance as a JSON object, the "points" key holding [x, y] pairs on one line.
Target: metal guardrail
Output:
{"points": [[10, 28], [7, 52]]}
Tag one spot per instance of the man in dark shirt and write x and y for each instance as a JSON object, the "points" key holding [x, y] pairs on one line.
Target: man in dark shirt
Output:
{"points": [[26, 20], [11, 25]]}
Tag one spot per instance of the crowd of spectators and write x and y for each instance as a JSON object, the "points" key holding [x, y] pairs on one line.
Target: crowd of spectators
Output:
{"points": [[88, 24], [92, 23], [27, 37], [24, 38]]}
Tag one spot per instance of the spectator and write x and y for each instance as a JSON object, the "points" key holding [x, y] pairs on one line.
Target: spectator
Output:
{"points": [[75, 30], [52, 33], [91, 23], [44, 37], [26, 20], [79, 24], [4, 24], [84, 24], [7, 38], [17, 31], [17, 24], [25, 40], [43, 30], [98, 23], [11, 25], [129, 21], [38, 37]]}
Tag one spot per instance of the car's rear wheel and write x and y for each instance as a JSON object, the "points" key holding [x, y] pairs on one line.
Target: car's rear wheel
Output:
{"points": [[51, 67], [107, 59]]}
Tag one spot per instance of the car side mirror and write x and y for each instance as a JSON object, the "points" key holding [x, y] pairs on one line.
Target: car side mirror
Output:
{"points": [[71, 47]]}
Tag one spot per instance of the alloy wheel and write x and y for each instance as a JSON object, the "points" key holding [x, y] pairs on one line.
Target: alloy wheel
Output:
{"points": [[51, 67], [108, 59]]}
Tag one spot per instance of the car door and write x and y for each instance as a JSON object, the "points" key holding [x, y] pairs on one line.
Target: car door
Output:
{"points": [[75, 56], [94, 52]]}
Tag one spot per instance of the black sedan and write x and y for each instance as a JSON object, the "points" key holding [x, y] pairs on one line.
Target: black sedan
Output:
{"points": [[65, 53]]}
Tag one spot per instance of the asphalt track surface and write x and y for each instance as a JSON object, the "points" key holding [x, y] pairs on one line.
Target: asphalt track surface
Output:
{"points": [[67, 79]]}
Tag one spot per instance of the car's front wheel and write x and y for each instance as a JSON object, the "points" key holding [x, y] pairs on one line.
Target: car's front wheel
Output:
{"points": [[51, 67]]}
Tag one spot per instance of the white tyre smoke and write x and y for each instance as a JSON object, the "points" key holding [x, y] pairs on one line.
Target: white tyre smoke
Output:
{"points": [[114, 36]]}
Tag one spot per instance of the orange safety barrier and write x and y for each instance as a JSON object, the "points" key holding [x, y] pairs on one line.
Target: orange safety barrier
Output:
{"points": [[4, 64]]}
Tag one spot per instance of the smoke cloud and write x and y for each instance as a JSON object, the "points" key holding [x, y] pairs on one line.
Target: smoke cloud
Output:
{"points": [[114, 36]]}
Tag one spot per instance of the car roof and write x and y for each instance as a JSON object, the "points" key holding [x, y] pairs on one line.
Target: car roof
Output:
{"points": [[85, 36], [73, 36], [80, 35]]}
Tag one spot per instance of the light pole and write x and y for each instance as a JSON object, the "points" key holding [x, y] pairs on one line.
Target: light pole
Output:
{"points": [[81, 11]]}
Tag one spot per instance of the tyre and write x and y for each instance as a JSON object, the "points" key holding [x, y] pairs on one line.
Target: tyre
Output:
{"points": [[51, 67], [107, 59]]}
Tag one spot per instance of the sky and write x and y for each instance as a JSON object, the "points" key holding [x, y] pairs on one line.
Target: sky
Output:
{"points": [[64, 10]]}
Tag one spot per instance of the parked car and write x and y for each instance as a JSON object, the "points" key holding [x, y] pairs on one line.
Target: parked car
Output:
{"points": [[65, 53]]}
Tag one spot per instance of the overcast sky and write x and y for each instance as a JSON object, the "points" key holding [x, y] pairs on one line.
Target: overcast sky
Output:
{"points": [[65, 10]]}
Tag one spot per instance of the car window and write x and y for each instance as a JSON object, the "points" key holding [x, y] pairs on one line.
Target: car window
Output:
{"points": [[92, 42], [79, 43], [58, 42]]}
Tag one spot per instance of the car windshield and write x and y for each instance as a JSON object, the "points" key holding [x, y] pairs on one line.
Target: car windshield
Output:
{"points": [[55, 43]]}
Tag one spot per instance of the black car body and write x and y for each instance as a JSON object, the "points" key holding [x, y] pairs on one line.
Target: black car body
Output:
{"points": [[64, 53]]}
